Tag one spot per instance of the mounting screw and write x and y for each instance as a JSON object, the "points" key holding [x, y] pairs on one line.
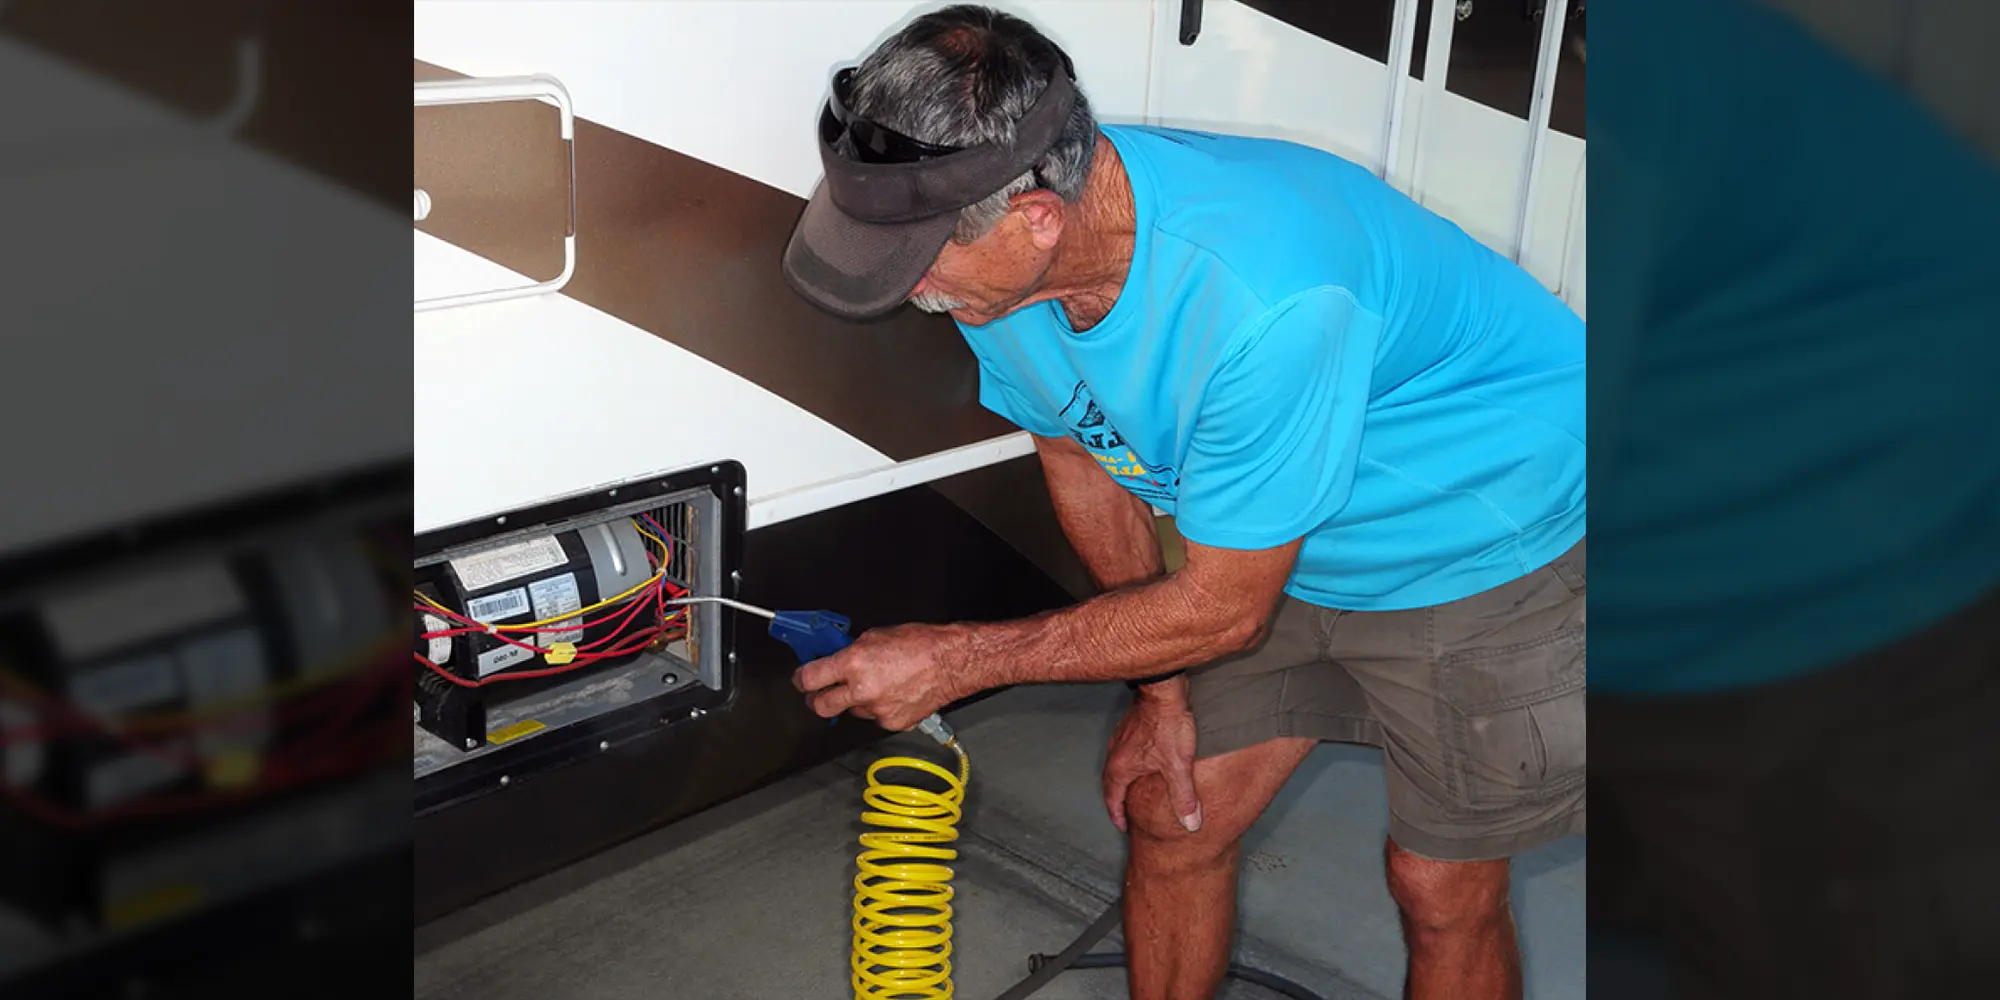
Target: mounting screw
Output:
{"points": [[735, 576], [670, 678], [471, 744], [738, 491], [614, 493], [732, 656], [603, 744], [714, 470], [696, 713], [502, 519], [504, 780]]}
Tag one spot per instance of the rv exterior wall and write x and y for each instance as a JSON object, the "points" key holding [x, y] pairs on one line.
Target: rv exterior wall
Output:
{"points": [[628, 404], [737, 83]]}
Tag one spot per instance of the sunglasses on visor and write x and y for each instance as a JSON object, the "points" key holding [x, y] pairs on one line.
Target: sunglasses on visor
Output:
{"points": [[867, 141], [871, 142]]}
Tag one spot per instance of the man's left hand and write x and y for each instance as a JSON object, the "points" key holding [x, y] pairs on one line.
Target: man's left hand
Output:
{"points": [[897, 676]]}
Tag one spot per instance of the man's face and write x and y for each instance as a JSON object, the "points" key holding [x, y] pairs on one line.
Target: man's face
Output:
{"points": [[986, 279]]}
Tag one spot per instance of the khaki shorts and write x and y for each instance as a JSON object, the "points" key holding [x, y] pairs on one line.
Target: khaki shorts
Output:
{"points": [[1477, 704]]}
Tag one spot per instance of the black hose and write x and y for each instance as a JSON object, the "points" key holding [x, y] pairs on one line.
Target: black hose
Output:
{"points": [[1042, 969]]}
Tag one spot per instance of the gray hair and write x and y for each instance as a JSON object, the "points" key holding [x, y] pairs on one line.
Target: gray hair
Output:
{"points": [[964, 75]]}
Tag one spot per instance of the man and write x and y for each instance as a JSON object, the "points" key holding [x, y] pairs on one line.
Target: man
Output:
{"points": [[1369, 427]]}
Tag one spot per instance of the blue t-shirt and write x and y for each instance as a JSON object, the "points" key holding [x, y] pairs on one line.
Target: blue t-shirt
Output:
{"points": [[1300, 351], [1796, 343]]}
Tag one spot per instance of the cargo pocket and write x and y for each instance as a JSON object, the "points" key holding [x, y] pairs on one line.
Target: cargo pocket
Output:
{"points": [[1511, 720]]}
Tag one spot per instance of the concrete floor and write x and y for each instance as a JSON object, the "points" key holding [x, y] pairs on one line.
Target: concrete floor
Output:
{"points": [[751, 900]]}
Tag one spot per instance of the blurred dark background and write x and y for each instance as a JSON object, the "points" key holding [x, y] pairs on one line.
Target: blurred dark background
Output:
{"points": [[206, 765]]}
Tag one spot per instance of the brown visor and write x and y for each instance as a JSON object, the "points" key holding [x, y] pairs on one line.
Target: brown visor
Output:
{"points": [[888, 202]]}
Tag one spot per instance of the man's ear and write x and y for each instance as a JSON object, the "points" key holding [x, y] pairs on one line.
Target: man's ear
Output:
{"points": [[1042, 211]]}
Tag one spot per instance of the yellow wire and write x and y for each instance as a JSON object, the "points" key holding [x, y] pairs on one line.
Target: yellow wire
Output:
{"points": [[666, 553], [338, 669], [902, 890]]}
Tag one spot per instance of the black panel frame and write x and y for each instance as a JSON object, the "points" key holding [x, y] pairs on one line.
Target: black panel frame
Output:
{"points": [[512, 763], [908, 556]]}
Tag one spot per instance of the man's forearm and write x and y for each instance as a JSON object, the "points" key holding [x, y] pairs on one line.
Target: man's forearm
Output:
{"points": [[1144, 624], [1140, 631], [1111, 530]]}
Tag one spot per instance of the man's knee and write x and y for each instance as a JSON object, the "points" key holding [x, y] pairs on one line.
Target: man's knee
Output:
{"points": [[1233, 788], [1158, 838], [1442, 897]]}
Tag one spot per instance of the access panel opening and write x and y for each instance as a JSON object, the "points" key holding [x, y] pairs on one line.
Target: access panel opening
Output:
{"points": [[552, 633]]}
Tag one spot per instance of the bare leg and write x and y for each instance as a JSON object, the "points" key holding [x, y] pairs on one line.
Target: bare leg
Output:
{"points": [[1180, 887], [1458, 927]]}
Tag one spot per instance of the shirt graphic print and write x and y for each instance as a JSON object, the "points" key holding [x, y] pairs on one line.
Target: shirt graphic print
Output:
{"points": [[1156, 484]]}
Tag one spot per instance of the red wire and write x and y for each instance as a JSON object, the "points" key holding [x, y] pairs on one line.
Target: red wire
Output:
{"points": [[586, 654], [275, 778], [625, 615], [280, 771], [76, 721], [641, 641], [660, 586], [295, 768], [476, 626]]}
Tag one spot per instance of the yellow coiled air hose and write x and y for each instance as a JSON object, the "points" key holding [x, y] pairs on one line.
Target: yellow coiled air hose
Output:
{"points": [[902, 891]]}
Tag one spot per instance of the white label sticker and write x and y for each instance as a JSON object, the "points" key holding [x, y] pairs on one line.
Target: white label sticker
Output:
{"points": [[86, 623], [484, 569], [501, 657], [502, 605], [122, 687], [440, 646], [223, 667], [127, 777], [555, 596]]}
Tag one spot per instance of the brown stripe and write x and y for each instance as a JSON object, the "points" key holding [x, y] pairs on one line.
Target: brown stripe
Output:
{"points": [[689, 252]]}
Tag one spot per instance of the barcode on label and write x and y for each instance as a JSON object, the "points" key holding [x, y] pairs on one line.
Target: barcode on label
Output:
{"points": [[124, 686], [501, 658], [484, 569], [502, 605], [557, 595]]}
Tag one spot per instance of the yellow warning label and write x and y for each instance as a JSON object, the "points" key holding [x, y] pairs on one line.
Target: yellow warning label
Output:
{"points": [[152, 905], [515, 731], [232, 768]]}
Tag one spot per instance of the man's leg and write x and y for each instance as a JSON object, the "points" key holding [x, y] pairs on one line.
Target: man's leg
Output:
{"points": [[1457, 926], [1481, 702], [1180, 887]]}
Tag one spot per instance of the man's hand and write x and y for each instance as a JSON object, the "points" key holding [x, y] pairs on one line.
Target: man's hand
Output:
{"points": [[1155, 737], [896, 676]]}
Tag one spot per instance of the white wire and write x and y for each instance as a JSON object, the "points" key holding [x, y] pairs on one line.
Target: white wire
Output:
{"points": [[738, 605]]}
